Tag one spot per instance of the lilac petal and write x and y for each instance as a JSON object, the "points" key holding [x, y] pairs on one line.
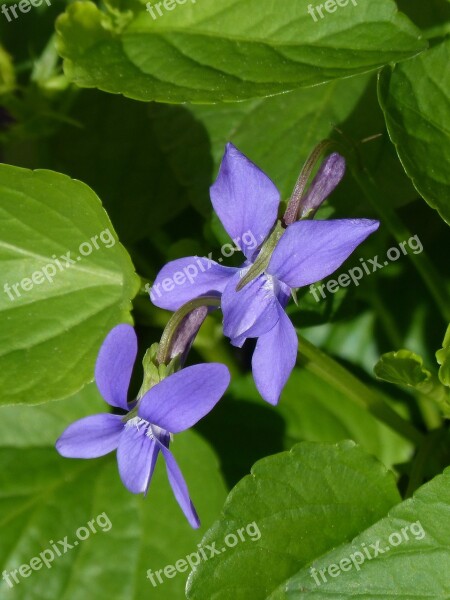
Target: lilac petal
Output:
{"points": [[136, 457], [308, 251], [179, 487], [274, 358], [91, 437], [238, 342], [115, 363], [328, 177], [182, 399], [187, 278], [245, 200], [252, 311]]}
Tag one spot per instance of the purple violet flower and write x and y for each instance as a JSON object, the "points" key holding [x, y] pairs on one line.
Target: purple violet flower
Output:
{"points": [[171, 406], [247, 202]]}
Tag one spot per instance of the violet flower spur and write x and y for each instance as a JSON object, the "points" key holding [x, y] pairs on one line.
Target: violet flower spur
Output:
{"points": [[145, 429], [290, 255]]}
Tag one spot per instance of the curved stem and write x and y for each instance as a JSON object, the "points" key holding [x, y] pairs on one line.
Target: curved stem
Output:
{"points": [[176, 320], [332, 372], [425, 450], [293, 207], [401, 233]]}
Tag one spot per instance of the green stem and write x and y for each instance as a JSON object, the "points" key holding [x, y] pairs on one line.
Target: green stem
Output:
{"points": [[293, 207], [426, 449], [430, 412], [401, 233], [176, 320], [335, 374], [388, 322]]}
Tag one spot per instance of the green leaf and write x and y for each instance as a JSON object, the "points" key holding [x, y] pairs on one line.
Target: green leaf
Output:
{"points": [[415, 97], [56, 314], [317, 506], [304, 502], [210, 52], [279, 133], [46, 497], [443, 358], [23, 426], [414, 560], [7, 75], [402, 367]]}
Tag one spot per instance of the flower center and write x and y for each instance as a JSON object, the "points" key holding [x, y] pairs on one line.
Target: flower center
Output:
{"points": [[263, 259], [148, 429]]}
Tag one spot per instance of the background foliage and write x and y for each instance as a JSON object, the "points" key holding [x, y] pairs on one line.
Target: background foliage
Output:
{"points": [[123, 120]]}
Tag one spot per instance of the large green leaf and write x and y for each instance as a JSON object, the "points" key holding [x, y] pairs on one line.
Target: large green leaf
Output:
{"points": [[45, 497], [415, 97], [409, 553], [55, 314], [317, 506], [304, 502], [210, 51]]}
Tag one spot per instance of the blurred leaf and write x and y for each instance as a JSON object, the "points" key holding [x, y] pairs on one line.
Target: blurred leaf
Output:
{"points": [[209, 52], [7, 75], [66, 283], [242, 432], [415, 97], [304, 502], [147, 162], [47, 70], [315, 411], [433, 17], [46, 497], [279, 133], [443, 358], [402, 367]]}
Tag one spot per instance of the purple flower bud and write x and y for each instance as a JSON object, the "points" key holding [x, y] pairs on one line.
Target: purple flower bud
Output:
{"points": [[329, 175], [246, 200]]}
